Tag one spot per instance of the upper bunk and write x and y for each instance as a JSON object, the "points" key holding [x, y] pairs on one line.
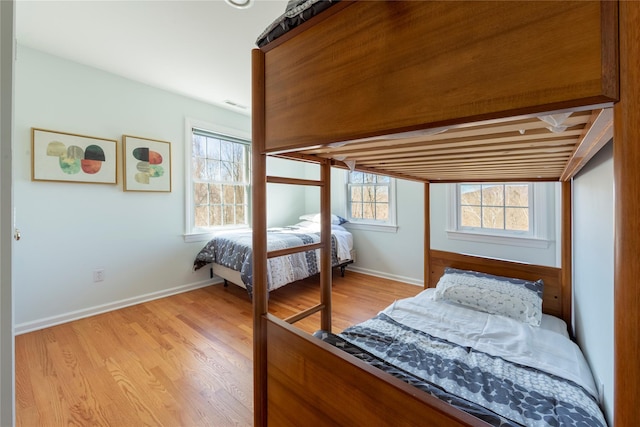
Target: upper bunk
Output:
{"points": [[485, 91]]}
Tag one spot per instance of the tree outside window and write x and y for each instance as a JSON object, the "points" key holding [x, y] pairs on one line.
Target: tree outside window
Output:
{"points": [[495, 207], [220, 175]]}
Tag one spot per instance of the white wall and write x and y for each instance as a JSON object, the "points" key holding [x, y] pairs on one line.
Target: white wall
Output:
{"points": [[398, 255], [593, 216], [70, 229]]}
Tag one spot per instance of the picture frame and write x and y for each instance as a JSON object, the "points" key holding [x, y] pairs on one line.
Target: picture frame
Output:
{"points": [[147, 164], [69, 157]]}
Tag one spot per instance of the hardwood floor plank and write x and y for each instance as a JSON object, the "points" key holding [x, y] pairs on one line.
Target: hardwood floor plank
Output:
{"points": [[184, 360]]}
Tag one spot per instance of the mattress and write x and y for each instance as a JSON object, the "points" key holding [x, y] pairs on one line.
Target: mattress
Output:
{"points": [[296, 13]]}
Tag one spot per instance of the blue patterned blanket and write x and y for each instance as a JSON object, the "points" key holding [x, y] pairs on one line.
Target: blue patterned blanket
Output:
{"points": [[500, 392], [233, 250]]}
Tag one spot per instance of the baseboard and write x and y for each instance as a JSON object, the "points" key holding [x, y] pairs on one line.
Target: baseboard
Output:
{"points": [[46, 322], [404, 279]]}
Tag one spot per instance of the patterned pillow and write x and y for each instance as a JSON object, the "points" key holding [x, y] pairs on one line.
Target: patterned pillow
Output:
{"points": [[515, 298], [335, 219]]}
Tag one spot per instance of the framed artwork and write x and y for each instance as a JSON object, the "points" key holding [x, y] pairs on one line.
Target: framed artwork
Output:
{"points": [[68, 157], [147, 164]]}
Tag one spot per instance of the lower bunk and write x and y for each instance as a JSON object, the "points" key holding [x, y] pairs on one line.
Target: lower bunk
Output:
{"points": [[439, 358]]}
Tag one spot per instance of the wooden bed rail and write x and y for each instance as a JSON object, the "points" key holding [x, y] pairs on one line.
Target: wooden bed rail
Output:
{"points": [[295, 249], [352, 392]]}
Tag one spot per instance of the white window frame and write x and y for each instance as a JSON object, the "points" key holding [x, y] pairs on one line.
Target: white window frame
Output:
{"points": [[198, 234], [389, 226], [537, 237]]}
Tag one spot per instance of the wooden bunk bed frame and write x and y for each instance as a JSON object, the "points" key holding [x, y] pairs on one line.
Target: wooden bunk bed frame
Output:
{"points": [[405, 77]]}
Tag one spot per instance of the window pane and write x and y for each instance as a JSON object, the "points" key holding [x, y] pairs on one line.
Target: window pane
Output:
{"points": [[356, 194], [239, 194], [199, 146], [469, 194], [226, 171], [517, 195], [369, 178], [213, 148], [493, 217], [470, 216], [368, 193], [200, 168], [382, 179], [368, 211], [202, 216], [226, 151], [517, 219], [492, 195], [228, 194], [240, 219], [357, 177], [382, 211], [200, 194], [382, 194], [228, 214], [215, 216], [213, 170], [356, 210], [215, 194]]}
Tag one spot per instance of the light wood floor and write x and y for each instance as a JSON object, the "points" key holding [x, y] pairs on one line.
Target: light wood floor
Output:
{"points": [[179, 361]]}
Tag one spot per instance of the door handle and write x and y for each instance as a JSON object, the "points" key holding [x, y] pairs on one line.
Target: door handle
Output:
{"points": [[16, 234]]}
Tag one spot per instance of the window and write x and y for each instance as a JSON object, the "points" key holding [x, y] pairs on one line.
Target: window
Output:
{"points": [[495, 208], [218, 181], [502, 213], [370, 199]]}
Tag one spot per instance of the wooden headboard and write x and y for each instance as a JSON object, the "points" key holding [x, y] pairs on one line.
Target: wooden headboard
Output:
{"points": [[553, 289]]}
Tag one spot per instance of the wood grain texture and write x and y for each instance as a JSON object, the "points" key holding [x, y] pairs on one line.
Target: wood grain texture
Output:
{"points": [[430, 64], [626, 158], [352, 393], [185, 360]]}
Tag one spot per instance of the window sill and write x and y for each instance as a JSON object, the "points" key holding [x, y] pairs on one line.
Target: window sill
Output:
{"points": [[203, 236], [384, 228], [529, 242]]}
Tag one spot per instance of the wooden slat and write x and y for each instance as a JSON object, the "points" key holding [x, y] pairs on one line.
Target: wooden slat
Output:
{"points": [[304, 314], [596, 134]]}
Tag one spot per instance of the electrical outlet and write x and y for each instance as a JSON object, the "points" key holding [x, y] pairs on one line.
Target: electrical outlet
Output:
{"points": [[98, 275]]}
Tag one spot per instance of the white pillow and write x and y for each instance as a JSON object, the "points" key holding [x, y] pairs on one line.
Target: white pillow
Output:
{"points": [[515, 298], [335, 219]]}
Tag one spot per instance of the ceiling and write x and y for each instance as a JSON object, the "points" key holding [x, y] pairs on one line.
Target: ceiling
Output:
{"points": [[200, 49]]}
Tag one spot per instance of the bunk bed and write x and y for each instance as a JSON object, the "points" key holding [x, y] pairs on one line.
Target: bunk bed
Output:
{"points": [[441, 92]]}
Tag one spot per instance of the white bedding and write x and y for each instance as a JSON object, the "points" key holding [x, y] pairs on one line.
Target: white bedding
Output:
{"points": [[546, 347]]}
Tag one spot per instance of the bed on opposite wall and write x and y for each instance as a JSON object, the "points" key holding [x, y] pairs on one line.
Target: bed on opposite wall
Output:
{"points": [[436, 91], [229, 253]]}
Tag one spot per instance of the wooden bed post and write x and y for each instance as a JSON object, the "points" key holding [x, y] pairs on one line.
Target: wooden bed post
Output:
{"points": [[259, 226], [427, 235], [325, 238], [566, 252], [626, 159]]}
